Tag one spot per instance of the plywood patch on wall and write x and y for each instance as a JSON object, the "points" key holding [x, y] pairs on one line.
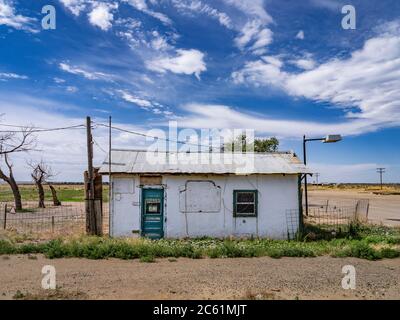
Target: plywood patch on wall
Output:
{"points": [[200, 196], [150, 180]]}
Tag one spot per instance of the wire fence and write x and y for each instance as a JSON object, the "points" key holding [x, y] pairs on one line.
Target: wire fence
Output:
{"points": [[48, 222], [335, 219], [331, 218], [70, 218]]}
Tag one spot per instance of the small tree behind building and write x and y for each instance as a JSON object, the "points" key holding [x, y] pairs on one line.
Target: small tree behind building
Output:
{"points": [[243, 144]]}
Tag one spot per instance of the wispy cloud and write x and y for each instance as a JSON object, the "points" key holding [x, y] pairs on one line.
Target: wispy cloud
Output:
{"points": [[146, 104], [300, 35], [254, 8], [10, 75], [255, 36], [75, 6], [64, 150], [365, 85], [135, 99], [333, 5], [90, 75], [226, 117], [10, 18], [141, 5], [200, 7]]}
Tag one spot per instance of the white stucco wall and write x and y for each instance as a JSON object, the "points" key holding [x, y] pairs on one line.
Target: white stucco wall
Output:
{"points": [[276, 195]]}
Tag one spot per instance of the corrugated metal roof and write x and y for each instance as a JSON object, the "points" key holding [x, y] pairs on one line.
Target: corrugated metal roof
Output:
{"points": [[144, 162]]}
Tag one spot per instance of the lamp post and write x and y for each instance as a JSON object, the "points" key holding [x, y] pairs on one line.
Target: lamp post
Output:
{"points": [[328, 139]]}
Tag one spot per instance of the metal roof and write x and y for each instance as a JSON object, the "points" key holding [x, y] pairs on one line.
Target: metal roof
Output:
{"points": [[149, 162]]}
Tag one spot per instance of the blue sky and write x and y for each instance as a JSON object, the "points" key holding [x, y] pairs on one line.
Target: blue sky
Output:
{"points": [[282, 68]]}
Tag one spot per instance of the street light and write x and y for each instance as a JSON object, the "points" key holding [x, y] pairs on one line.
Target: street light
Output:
{"points": [[332, 138]]}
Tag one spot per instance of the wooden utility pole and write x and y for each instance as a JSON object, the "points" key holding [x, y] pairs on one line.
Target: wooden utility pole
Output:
{"points": [[109, 175], [381, 171], [91, 226]]}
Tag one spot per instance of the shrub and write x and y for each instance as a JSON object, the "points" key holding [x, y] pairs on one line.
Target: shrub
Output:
{"points": [[389, 253], [148, 259], [6, 247], [364, 251]]}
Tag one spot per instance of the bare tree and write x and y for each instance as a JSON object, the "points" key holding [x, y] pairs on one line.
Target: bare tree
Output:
{"points": [[41, 174], [56, 202], [20, 140], [11, 182]]}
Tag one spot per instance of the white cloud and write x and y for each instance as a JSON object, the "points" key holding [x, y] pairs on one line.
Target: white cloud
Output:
{"points": [[58, 80], [64, 150], [141, 5], [254, 32], [300, 35], [146, 104], [72, 89], [101, 15], [90, 75], [333, 5], [185, 62], [135, 99], [128, 23], [306, 63], [10, 75], [265, 71], [225, 117], [75, 6], [199, 7], [159, 43], [9, 18], [365, 84], [253, 8]]}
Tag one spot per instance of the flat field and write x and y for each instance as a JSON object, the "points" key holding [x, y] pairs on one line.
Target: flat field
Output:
{"points": [[384, 204], [65, 193]]}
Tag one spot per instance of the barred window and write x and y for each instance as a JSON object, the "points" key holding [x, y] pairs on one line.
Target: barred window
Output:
{"points": [[245, 203]]}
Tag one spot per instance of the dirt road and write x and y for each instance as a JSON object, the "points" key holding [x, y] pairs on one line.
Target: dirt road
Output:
{"points": [[383, 208], [286, 278]]}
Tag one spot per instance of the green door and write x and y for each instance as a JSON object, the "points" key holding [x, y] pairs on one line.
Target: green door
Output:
{"points": [[153, 213]]}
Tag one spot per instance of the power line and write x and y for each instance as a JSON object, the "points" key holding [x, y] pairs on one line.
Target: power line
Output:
{"points": [[38, 130], [98, 145]]}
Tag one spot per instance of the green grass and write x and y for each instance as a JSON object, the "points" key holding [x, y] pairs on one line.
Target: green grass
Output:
{"points": [[370, 243], [65, 193]]}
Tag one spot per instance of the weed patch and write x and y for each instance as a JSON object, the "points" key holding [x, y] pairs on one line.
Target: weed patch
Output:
{"points": [[370, 243]]}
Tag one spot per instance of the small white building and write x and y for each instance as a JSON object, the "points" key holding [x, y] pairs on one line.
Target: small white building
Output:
{"points": [[178, 195]]}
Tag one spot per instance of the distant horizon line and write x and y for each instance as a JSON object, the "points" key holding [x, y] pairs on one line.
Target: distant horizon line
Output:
{"points": [[106, 182]]}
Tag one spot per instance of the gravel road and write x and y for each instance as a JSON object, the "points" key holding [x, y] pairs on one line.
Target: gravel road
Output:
{"points": [[266, 278]]}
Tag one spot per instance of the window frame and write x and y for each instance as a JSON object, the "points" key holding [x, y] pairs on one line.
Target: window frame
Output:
{"points": [[244, 215]]}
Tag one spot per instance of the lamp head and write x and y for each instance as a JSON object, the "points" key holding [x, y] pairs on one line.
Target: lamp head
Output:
{"points": [[332, 138]]}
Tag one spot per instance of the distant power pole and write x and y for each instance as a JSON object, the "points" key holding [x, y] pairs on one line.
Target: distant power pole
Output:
{"points": [[381, 171], [317, 176]]}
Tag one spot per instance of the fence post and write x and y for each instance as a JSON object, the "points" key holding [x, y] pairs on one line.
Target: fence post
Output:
{"points": [[5, 217], [52, 224]]}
